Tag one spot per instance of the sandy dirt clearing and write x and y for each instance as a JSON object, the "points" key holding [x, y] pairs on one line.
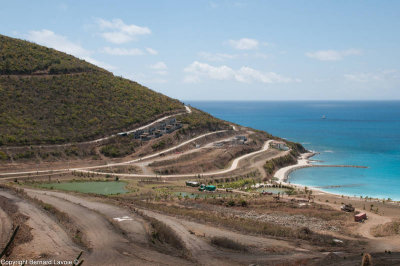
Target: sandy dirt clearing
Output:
{"points": [[5, 228], [200, 250], [48, 237], [134, 226], [109, 247]]}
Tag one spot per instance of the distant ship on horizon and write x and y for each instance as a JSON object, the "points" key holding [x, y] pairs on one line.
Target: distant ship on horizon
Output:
{"points": [[323, 117]]}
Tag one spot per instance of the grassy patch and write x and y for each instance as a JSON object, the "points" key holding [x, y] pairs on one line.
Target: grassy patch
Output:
{"points": [[387, 229], [165, 238]]}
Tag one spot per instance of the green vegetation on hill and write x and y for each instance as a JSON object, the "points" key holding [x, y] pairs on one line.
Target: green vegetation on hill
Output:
{"points": [[89, 103], [22, 57], [272, 165], [200, 121]]}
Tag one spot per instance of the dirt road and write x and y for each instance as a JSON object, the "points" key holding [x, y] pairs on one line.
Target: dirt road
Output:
{"points": [[12, 175], [187, 110], [134, 227], [200, 248], [377, 244], [5, 228], [232, 167], [133, 224], [49, 239], [109, 246]]}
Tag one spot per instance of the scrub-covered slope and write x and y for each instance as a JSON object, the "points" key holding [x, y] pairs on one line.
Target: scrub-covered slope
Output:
{"points": [[51, 97]]}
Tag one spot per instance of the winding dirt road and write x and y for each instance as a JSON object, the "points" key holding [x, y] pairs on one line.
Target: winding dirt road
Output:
{"points": [[187, 110], [12, 175], [232, 167]]}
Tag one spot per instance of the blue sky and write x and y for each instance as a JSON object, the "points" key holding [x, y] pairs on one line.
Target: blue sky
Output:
{"points": [[227, 50]]}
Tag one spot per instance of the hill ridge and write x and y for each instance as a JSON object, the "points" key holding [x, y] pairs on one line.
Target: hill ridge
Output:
{"points": [[50, 97]]}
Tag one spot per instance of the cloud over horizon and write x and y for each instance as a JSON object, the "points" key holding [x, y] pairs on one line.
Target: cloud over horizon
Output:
{"points": [[116, 31], [379, 76], [198, 71], [122, 51]]}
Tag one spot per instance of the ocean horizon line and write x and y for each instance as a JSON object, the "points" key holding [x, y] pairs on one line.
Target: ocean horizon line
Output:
{"points": [[346, 100]]}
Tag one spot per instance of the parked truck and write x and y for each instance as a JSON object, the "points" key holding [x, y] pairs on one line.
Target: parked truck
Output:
{"points": [[360, 217], [207, 188]]}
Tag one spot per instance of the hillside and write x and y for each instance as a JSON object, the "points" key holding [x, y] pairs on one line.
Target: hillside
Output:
{"points": [[51, 97]]}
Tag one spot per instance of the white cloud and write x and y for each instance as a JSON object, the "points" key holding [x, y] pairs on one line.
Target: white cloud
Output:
{"points": [[58, 42], [116, 31], [332, 55], [99, 63], [244, 44], [151, 51], [162, 72], [197, 70], [159, 66], [247, 74], [146, 79], [50, 39], [122, 51], [380, 76], [216, 56]]}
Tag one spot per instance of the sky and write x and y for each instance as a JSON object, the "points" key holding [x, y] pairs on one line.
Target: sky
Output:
{"points": [[227, 50]]}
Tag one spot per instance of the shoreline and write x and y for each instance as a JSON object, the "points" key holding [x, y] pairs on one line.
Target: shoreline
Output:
{"points": [[304, 162]]}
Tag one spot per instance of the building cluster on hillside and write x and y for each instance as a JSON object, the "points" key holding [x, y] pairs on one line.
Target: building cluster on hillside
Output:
{"points": [[157, 130], [280, 145], [240, 139]]}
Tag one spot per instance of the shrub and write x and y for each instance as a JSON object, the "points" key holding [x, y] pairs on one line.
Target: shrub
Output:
{"points": [[243, 203], [3, 156], [228, 243]]}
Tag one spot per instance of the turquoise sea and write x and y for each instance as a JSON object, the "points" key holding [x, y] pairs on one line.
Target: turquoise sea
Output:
{"points": [[354, 133]]}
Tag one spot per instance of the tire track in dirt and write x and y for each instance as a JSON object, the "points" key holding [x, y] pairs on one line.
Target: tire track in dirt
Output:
{"points": [[200, 250], [134, 226], [109, 247], [48, 237], [5, 228]]}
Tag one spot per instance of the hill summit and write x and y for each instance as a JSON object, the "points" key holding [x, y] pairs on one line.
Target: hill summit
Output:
{"points": [[50, 97]]}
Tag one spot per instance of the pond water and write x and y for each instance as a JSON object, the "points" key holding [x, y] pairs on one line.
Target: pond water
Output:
{"points": [[274, 190], [96, 187]]}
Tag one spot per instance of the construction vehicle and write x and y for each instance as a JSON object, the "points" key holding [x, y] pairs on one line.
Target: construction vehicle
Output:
{"points": [[192, 184], [347, 208]]}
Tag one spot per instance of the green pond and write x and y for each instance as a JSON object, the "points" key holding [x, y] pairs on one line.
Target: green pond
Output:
{"points": [[274, 190], [96, 187]]}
